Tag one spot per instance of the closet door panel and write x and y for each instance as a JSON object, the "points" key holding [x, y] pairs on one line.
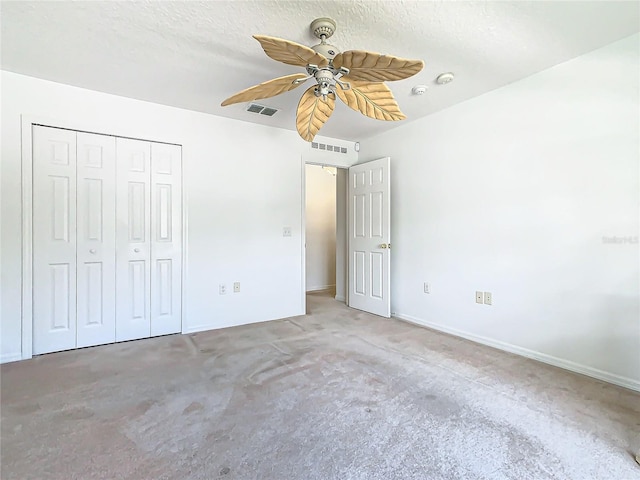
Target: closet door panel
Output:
{"points": [[54, 239], [133, 239], [166, 248], [96, 242]]}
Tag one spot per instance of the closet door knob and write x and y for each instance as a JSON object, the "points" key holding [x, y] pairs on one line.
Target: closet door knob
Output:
{"points": [[136, 250], [93, 250]]}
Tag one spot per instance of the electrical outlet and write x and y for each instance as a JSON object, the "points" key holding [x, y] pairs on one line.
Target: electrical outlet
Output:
{"points": [[487, 298], [479, 297], [286, 231], [222, 289], [236, 287], [427, 287]]}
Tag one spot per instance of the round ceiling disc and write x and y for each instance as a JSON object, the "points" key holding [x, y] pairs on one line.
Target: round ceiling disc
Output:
{"points": [[323, 26]]}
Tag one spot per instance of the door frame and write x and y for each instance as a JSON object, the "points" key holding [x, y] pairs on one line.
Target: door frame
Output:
{"points": [[304, 223], [328, 163], [27, 124]]}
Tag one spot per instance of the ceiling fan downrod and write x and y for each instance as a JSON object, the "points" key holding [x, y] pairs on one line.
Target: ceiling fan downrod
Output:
{"points": [[327, 77]]}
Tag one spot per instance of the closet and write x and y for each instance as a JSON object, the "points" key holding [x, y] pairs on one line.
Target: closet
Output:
{"points": [[107, 239]]}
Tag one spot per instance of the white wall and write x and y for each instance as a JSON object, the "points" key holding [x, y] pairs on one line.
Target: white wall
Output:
{"points": [[320, 228], [242, 182], [512, 192]]}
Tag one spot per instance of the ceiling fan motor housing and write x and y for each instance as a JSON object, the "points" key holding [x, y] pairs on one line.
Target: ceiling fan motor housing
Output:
{"points": [[326, 49]]}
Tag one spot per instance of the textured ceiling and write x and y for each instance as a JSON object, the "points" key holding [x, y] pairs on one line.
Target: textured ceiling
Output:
{"points": [[195, 54]]}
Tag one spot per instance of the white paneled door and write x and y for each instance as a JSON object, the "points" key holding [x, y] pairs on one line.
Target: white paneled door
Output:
{"points": [[107, 243], [370, 237], [133, 240], [95, 237], [54, 239], [166, 246]]}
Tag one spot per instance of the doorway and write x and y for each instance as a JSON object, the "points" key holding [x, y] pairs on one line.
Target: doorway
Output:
{"points": [[325, 230]]}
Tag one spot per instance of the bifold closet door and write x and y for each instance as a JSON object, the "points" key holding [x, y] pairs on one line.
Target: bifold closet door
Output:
{"points": [[54, 239], [166, 247], [73, 239], [96, 239], [107, 243], [149, 248], [133, 239]]}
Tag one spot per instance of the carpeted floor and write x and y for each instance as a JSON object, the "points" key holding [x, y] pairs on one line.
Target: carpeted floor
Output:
{"points": [[335, 394]]}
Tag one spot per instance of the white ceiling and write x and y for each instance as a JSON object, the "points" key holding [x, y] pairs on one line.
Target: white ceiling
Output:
{"points": [[195, 54]]}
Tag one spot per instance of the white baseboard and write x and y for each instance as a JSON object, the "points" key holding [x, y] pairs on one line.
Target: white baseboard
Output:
{"points": [[319, 288], [206, 328], [340, 298], [10, 357], [525, 352]]}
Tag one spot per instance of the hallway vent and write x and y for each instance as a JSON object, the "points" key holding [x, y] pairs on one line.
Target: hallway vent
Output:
{"points": [[261, 109], [329, 148]]}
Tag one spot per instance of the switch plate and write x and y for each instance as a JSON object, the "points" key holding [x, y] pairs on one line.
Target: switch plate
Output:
{"points": [[286, 231], [487, 298], [222, 289], [479, 297], [427, 287], [236, 287]]}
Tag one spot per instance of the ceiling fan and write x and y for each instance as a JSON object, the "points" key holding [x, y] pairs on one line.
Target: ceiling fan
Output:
{"points": [[356, 77]]}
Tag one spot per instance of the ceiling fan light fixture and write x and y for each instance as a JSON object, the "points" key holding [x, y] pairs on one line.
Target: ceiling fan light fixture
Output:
{"points": [[356, 77]]}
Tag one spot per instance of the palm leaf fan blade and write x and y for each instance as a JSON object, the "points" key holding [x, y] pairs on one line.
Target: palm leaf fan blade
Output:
{"points": [[266, 89], [313, 112], [374, 100], [289, 52], [376, 67]]}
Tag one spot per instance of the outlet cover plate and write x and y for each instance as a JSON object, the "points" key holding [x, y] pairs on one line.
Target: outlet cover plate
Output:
{"points": [[487, 298], [479, 297]]}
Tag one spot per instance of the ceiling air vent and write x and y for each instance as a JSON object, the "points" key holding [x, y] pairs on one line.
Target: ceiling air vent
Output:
{"points": [[268, 111], [254, 108], [261, 109], [329, 148]]}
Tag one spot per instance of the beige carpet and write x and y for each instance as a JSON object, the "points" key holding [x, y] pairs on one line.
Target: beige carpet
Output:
{"points": [[336, 394]]}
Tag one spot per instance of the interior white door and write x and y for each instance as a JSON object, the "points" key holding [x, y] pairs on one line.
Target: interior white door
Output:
{"points": [[370, 237], [166, 246], [96, 242], [54, 239], [133, 239]]}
